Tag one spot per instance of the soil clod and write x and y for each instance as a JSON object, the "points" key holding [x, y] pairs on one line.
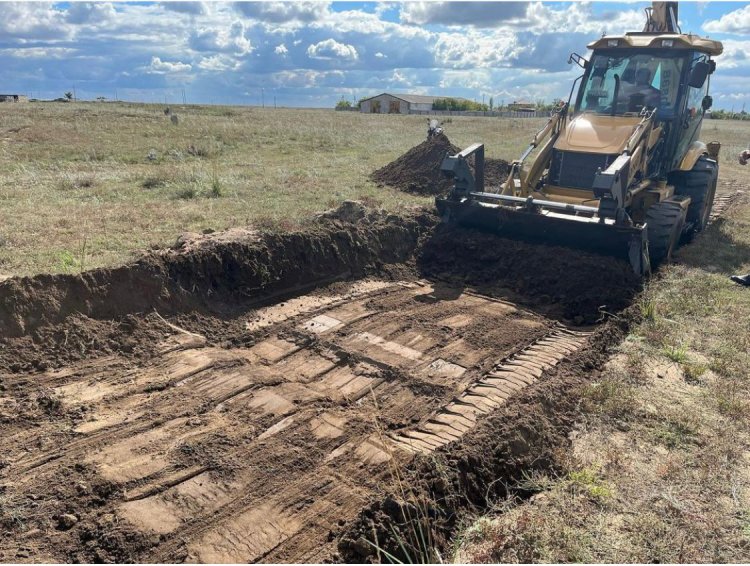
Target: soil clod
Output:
{"points": [[66, 521]]}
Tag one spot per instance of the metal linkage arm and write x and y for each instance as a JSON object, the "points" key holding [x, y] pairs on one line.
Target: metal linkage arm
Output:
{"points": [[457, 167]]}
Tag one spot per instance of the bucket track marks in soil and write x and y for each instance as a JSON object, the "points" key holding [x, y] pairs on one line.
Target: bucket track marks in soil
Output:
{"points": [[264, 449]]}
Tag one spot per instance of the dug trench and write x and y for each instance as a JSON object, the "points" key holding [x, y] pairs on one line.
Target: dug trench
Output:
{"points": [[248, 397]]}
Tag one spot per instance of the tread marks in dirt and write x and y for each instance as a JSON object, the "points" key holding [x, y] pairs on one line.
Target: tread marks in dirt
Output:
{"points": [[723, 202], [497, 454], [262, 452]]}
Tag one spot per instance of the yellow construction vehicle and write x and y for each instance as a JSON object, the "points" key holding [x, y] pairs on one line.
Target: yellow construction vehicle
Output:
{"points": [[619, 170]]}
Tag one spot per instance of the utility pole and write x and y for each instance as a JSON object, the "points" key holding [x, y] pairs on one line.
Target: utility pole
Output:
{"points": [[75, 97], [184, 98], [274, 101], [262, 97]]}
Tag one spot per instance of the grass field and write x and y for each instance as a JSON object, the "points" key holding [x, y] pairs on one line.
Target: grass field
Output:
{"points": [[86, 184]]}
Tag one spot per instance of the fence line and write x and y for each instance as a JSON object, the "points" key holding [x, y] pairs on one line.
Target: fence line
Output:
{"points": [[494, 113]]}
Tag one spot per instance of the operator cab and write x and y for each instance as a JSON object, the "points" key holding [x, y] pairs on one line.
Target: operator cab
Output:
{"points": [[623, 82]]}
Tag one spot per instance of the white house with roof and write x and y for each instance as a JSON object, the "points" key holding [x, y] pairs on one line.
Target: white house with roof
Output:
{"points": [[388, 103]]}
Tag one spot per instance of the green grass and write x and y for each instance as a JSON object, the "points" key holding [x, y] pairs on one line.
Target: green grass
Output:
{"points": [[125, 177]]}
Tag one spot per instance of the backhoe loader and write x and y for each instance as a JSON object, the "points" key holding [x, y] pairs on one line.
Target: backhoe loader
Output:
{"points": [[618, 170]]}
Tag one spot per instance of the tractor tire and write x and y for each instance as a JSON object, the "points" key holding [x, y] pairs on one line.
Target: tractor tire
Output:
{"points": [[700, 185], [664, 224]]}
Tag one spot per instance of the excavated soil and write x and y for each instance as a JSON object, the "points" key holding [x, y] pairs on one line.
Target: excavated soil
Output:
{"points": [[576, 287], [418, 170], [247, 397]]}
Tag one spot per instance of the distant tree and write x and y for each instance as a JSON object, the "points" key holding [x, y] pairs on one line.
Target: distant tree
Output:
{"points": [[101, 98], [68, 95], [456, 105], [343, 104], [492, 104]]}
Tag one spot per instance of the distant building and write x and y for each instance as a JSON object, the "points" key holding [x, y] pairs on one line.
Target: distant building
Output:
{"points": [[387, 103], [522, 106], [13, 98]]}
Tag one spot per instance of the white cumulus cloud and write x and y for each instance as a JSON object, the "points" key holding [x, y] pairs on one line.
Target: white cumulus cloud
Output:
{"points": [[160, 67], [280, 49], [218, 63], [279, 12], [737, 21], [332, 49], [90, 12], [222, 40]]}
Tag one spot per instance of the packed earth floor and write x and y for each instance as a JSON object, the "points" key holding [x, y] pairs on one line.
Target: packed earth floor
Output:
{"points": [[247, 397]]}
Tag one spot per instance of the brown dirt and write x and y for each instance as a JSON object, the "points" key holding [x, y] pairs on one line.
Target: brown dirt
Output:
{"points": [[574, 286], [489, 466], [50, 319], [418, 170], [281, 382]]}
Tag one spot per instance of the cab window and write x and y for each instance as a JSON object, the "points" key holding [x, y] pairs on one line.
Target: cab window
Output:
{"points": [[625, 82]]}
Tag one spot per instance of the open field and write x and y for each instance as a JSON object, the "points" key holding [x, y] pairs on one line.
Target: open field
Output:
{"points": [[78, 188], [364, 385], [77, 185]]}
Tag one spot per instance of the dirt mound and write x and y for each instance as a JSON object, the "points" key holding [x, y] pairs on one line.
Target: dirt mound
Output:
{"points": [[418, 170], [576, 286], [495, 172], [49, 319]]}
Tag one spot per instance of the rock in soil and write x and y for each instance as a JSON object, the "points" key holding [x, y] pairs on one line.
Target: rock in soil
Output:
{"points": [[66, 521]]}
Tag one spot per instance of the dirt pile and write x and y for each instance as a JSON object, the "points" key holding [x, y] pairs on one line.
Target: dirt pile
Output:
{"points": [[418, 170], [43, 319], [564, 283]]}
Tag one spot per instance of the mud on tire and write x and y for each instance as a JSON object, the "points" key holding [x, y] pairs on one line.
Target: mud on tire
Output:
{"points": [[664, 221], [700, 185]]}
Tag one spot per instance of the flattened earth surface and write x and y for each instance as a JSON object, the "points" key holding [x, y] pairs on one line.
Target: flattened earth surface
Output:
{"points": [[263, 453]]}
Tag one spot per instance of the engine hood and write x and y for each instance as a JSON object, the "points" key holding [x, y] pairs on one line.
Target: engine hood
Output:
{"points": [[595, 133]]}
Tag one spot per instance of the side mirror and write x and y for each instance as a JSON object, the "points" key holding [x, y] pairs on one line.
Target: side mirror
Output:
{"points": [[707, 102], [698, 74], [578, 60]]}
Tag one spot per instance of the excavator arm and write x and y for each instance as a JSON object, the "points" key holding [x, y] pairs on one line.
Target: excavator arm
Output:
{"points": [[662, 18]]}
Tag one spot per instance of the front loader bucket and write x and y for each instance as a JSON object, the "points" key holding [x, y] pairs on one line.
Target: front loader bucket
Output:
{"points": [[548, 227]]}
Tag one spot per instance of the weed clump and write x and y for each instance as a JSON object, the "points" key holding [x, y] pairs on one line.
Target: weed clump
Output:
{"points": [[153, 182]]}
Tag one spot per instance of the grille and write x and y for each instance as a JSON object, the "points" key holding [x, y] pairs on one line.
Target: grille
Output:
{"points": [[576, 170]]}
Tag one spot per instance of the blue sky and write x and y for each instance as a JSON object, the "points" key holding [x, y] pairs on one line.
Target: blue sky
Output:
{"points": [[314, 53]]}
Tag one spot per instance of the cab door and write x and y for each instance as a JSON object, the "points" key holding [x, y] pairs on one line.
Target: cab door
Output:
{"points": [[692, 116]]}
